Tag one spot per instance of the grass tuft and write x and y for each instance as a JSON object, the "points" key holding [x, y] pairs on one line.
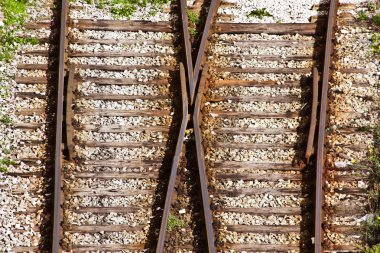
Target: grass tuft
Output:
{"points": [[174, 222], [192, 16], [376, 20], [362, 15], [375, 43], [259, 13]]}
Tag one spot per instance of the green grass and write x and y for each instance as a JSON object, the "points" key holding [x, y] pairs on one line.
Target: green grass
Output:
{"points": [[125, 11], [6, 120], [14, 16], [174, 222], [371, 6], [192, 16], [376, 20], [375, 43], [259, 13], [6, 151], [14, 11], [371, 227], [362, 15], [126, 8], [4, 163], [373, 249]]}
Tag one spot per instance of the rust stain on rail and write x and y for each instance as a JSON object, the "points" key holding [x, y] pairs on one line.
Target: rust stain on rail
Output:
{"points": [[58, 134], [313, 117], [201, 163], [174, 168], [318, 233]]}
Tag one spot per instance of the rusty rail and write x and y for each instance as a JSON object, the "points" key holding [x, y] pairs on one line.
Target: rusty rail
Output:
{"points": [[188, 51], [69, 113], [318, 233], [174, 168], [206, 33], [58, 134], [313, 117], [201, 163]]}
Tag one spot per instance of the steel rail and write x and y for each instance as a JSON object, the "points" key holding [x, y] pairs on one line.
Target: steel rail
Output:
{"points": [[188, 51], [69, 113], [318, 233], [206, 32], [58, 134], [201, 163], [174, 168], [313, 117]]}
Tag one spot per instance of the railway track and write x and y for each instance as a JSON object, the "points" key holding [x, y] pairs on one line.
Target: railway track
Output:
{"points": [[27, 185], [121, 109], [257, 113], [351, 136], [138, 108]]}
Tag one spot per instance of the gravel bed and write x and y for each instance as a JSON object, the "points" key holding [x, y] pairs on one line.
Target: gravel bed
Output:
{"points": [[239, 238], [148, 13], [28, 59], [115, 183], [123, 121], [262, 36], [143, 75], [349, 103], [356, 156], [120, 169], [351, 185], [348, 88], [87, 88], [24, 49], [137, 104], [33, 88], [121, 137], [339, 199], [131, 48], [223, 61], [258, 91], [27, 135], [279, 78], [352, 139], [40, 119], [30, 103], [222, 49], [254, 106], [355, 220], [246, 155], [119, 153], [287, 123], [35, 151], [31, 73], [343, 239], [259, 200], [105, 238], [138, 200], [229, 218], [281, 11], [36, 33], [24, 168], [341, 120], [288, 138], [256, 184], [132, 219], [39, 12], [255, 171], [340, 78], [125, 61], [108, 35]]}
